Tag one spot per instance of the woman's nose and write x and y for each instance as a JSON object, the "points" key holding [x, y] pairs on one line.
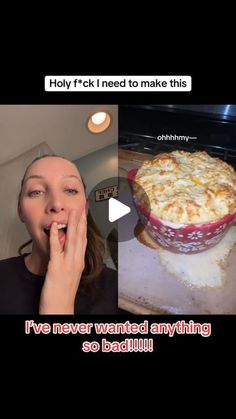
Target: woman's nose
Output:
{"points": [[54, 204]]}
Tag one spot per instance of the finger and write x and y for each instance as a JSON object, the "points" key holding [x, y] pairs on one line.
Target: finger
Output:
{"points": [[55, 247], [73, 220], [81, 242], [81, 239]]}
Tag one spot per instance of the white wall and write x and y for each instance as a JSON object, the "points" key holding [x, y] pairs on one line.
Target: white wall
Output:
{"points": [[62, 127]]}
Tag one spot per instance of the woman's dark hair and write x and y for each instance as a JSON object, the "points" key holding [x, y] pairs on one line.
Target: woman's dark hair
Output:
{"points": [[94, 255]]}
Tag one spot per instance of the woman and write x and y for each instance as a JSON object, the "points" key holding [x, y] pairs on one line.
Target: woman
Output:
{"points": [[64, 273]]}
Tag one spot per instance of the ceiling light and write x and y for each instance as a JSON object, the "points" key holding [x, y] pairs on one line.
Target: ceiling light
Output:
{"points": [[99, 122], [98, 118]]}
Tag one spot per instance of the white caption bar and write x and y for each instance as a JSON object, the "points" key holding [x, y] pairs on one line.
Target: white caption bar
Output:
{"points": [[118, 83]]}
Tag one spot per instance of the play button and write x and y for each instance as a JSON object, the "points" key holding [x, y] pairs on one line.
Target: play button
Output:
{"points": [[117, 210], [112, 208]]}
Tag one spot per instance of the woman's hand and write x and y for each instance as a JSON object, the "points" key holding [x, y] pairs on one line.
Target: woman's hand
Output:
{"points": [[65, 266]]}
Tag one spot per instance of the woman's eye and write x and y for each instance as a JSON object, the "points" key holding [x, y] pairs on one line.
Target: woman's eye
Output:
{"points": [[71, 191], [34, 194]]}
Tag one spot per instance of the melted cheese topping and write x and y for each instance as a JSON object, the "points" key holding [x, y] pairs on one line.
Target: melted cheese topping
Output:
{"points": [[187, 188]]}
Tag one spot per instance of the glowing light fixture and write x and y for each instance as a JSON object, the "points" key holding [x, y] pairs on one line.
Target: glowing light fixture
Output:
{"points": [[98, 118], [99, 122]]}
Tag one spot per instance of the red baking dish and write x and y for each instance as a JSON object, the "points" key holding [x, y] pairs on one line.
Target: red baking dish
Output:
{"points": [[182, 238]]}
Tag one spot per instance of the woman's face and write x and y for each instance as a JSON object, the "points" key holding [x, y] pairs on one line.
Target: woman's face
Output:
{"points": [[51, 189]]}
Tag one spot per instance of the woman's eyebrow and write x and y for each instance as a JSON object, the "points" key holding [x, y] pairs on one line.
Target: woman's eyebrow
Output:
{"points": [[73, 176], [42, 177], [34, 177]]}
